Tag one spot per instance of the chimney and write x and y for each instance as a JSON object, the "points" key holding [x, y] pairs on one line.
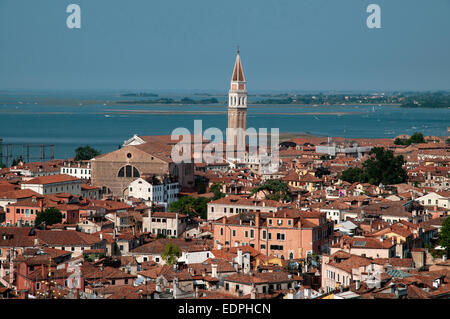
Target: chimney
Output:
{"points": [[43, 272], [11, 272], [253, 293], [256, 219], [101, 236], [307, 293], [358, 284], [239, 257], [214, 270], [175, 287]]}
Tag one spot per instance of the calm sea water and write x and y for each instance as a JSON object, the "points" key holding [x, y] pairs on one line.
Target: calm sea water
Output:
{"points": [[71, 120]]}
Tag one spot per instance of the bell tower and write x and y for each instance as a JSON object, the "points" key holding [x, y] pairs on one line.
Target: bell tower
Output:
{"points": [[237, 107]]}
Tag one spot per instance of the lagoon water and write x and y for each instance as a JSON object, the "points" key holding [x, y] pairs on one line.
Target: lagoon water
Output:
{"points": [[71, 120]]}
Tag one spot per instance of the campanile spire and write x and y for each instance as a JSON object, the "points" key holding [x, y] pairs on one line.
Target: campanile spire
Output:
{"points": [[237, 105]]}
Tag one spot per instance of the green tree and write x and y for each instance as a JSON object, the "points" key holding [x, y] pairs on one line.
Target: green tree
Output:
{"points": [[444, 235], [400, 141], [85, 153], [384, 168], [414, 139], [49, 216], [276, 190], [16, 161], [216, 189], [191, 206], [354, 174], [171, 253], [417, 138], [321, 171], [201, 187]]}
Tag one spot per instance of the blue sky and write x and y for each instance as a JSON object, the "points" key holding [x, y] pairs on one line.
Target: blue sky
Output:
{"points": [[190, 45]]}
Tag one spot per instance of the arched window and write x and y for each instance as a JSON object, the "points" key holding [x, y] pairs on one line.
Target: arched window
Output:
{"points": [[106, 190], [128, 171]]}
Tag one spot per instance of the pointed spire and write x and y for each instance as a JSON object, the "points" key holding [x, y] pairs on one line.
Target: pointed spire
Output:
{"points": [[238, 72]]}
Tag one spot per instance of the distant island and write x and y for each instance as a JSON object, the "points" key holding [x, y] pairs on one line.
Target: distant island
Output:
{"points": [[429, 100], [330, 99], [185, 100], [439, 99], [140, 94]]}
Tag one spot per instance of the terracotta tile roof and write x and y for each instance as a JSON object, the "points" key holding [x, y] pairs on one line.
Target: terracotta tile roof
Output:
{"points": [[365, 243], [66, 237], [350, 263], [158, 246], [51, 179], [395, 262], [309, 178], [85, 187], [223, 266], [16, 237], [167, 215], [20, 194], [260, 278], [7, 187], [130, 292], [29, 202], [93, 273], [239, 200], [205, 294]]}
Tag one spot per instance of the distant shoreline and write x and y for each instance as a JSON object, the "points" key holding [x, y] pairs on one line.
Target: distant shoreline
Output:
{"points": [[126, 111]]}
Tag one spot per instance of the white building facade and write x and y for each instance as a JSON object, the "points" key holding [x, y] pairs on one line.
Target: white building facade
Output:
{"points": [[161, 194]]}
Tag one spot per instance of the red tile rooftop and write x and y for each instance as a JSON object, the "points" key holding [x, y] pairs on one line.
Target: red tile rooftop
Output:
{"points": [[239, 200], [168, 215], [20, 193], [51, 179]]}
